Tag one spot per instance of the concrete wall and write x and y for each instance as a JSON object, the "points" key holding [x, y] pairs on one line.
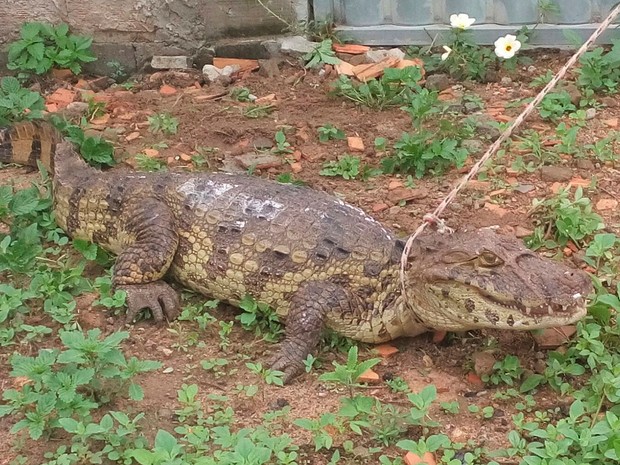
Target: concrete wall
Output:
{"points": [[402, 22], [130, 31]]}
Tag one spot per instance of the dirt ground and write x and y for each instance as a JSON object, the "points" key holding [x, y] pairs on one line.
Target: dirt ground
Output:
{"points": [[217, 128]]}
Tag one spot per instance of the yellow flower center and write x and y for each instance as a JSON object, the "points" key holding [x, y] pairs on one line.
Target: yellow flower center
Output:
{"points": [[508, 48]]}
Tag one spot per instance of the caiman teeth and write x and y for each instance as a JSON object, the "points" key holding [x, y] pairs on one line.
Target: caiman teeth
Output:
{"points": [[543, 309]]}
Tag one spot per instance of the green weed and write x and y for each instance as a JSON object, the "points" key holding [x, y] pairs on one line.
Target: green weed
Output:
{"points": [[395, 87], [260, 318], [146, 163], [348, 375], [282, 146], [18, 103], [329, 132], [566, 218], [322, 54], [43, 46], [164, 123], [555, 105], [89, 371], [421, 152], [600, 71]]}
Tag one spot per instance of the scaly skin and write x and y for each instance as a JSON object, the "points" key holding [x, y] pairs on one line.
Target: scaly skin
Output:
{"points": [[316, 260]]}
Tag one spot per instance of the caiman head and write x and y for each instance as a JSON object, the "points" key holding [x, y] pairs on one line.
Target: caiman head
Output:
{"points": [[481, 279]]}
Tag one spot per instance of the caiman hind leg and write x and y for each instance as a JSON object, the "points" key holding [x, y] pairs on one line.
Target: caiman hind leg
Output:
{"points": [[309, 311], [142, 264]]}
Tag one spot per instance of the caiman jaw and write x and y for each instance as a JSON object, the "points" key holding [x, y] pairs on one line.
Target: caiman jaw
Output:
{"points": [[480, 279]]}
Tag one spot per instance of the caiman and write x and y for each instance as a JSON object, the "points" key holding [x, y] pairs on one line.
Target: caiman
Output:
{"points": [[318, 261]]}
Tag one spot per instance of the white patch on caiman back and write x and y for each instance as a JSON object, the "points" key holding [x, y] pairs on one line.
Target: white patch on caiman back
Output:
{"points": [[258, 208], [202, 194]]}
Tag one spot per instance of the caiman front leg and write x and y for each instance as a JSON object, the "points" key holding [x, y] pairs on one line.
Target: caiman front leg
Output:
{"points": [[143, 263], [308, 314]]}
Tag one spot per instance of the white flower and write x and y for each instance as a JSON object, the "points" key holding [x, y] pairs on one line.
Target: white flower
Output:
{"points": [[461, 21], [506, 47], [444, 56]]}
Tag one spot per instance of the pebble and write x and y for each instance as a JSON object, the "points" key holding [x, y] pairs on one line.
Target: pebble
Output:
{"points": [[555, 173], [437, 82], [590, 113]]}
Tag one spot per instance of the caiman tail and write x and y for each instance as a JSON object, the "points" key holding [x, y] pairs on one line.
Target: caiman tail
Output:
{"points": [[26, 143]]}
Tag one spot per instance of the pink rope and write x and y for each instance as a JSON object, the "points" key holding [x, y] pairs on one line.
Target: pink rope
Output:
{"points": [[434, 217]]}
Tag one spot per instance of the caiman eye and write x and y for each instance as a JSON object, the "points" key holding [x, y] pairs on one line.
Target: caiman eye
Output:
{"points": [[487, 258]]}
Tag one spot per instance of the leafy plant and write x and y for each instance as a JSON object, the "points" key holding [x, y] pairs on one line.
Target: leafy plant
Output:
{"points": [[422, 105], [329, 132], [147, 163], [505, 371], [567, 219], [95, 150], [466, 59], [43, 46], [600, 71], [241, 94], [258, 111], [395, 87], [602, 255], [17, 103], [348, 375], [347, 166], [164, 123], [71, 382], [422, 151], [555, 105], [282, 146], [323, 53], [260, 318]]}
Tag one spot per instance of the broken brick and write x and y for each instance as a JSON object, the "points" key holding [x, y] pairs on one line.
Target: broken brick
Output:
{"points": [[473, 378], [51, 107], [374, 70], [150, 152], [552, 338], [369, 376], [386, 350], [62, 97], [296, 167], [167, 90], [414, 459], [352, 49], [356, 144], [345, 68], [244, 64], [61, 73], [379, 207]]}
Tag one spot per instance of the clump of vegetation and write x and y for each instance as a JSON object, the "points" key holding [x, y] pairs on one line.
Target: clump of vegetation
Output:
{"points": [[563, 219], [600, 70], [322, 54], [423, 152], [395, 87], [163, 123], [95, 150], [465, 59], [42, 47], [18, 103]]}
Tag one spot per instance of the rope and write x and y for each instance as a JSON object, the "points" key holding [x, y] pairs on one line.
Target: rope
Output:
{"points": [[433, 218]]}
